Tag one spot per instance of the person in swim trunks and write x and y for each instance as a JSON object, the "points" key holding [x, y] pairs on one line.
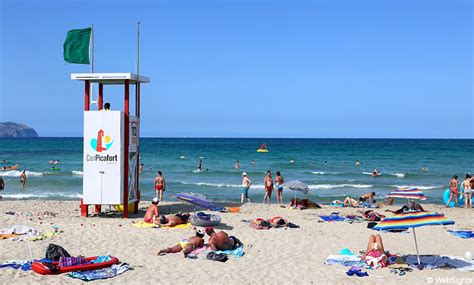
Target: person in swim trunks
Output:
{"points": [[370, 196], [174, 220], [453, 190], [246, 183], [268, 184], [186, 246], [279, 186], [221, 240], [152, 211], [160, 185]]}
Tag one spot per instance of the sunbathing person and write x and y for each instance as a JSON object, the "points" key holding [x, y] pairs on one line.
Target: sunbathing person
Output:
{"points": [[413, 207], [306, 203], [221, 240], [174, 220], [351, 202], [186, 246], [152, 211], [375, 254]]}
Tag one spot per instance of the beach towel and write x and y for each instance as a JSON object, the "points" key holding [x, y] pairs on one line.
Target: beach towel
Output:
{"points": [[345, 260], [24, 265], [20, 230], [70, 261], [45, 235], [181, 226], [238, 252], [436, 261], [142, 224], [462, 234], [104, 273], [331, 218]]}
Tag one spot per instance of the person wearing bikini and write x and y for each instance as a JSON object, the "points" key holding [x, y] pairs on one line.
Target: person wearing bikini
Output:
{"points": [[268, 185], [453, 190]]}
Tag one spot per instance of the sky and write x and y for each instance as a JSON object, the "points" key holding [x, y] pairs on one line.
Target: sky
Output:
{"points": [[311, 69]]}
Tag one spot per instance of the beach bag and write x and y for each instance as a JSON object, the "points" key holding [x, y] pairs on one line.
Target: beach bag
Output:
{"points": [[217, 256], [54, 252]]}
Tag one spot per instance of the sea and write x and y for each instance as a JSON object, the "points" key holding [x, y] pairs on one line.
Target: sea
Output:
{"points": [[327, 166]]}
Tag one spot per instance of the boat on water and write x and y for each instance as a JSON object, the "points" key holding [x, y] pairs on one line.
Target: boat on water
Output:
{"points": [[5, 168], [262, 148]]}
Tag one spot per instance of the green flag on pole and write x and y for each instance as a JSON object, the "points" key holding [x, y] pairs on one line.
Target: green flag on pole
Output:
{"points": [[76, 46]]}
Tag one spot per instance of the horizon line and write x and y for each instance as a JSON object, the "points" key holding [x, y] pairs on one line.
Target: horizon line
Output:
{"points": [[263, 138]]}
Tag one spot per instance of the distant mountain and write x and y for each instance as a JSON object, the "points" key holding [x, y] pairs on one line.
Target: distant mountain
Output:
{"points": [[14, 130]]}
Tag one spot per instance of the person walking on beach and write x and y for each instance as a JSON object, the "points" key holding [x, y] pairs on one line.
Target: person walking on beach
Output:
{"points": [[453, 190], [23, 178], [2, 185], [268, 184], [160, 185], [468, 191], [246, 183], [279, 186]]}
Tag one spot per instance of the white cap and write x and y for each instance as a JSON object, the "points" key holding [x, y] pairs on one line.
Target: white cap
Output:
{"points": [[155, 200], [244, 173]]}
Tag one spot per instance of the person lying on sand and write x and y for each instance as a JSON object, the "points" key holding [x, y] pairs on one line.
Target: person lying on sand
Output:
{"points": [[186, 246], [174, 220], [221, 240], [351, 202], [152, 211], [413, 207], [295, 202], [375, 254]]}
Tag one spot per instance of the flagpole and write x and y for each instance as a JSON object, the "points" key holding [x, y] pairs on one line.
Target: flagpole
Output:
{"points": [[92, 48], [138, 51]]}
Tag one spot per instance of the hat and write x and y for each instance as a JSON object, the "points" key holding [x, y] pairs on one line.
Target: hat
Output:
{"points": [[209, 229], [155, 200], [244, 173]]}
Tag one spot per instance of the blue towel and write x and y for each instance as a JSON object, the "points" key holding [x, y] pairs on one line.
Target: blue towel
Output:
{"points": [[332, 218], [462, 234], [103, 273], [238, 252]]}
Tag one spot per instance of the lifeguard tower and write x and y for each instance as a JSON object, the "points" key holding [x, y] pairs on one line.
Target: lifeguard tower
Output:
{"points": [[111, 145]]}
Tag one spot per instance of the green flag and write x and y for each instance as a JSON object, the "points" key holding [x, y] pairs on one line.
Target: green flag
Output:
{"points": [[76, 46]]}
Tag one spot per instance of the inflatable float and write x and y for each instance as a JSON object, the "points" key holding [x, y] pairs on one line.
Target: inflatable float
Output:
{"points": [[54, 168], [9, 167], [48, 268], [203, 220], [262, 148], [452, 203]]}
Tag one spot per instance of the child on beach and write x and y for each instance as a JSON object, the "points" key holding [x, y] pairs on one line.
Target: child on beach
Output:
{"points": [[152, 211], [453, 190], [279, 186]]}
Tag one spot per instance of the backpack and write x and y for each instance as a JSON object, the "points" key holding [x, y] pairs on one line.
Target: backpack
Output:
{"points": [[54, 252]]}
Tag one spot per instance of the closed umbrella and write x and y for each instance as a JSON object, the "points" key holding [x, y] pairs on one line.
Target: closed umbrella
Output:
{"points": [[195, 199], [404, 221]]}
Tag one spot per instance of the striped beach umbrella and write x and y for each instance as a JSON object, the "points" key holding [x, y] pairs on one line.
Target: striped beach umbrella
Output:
{"points": [[413, 220], [407, 193], [195, 199]]}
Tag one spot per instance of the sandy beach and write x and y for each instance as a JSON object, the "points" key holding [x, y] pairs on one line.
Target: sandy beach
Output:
{"points": [[275, 256]]}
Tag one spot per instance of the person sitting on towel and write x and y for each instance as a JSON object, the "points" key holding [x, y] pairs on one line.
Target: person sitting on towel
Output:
{"points": [[221, 240], [152, 211], [186, 246], [375, 254], [174, 220]]}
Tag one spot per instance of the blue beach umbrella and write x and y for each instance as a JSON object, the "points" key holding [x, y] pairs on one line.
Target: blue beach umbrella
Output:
{"points": [[197, 200], [297, 186], [413, 219]]}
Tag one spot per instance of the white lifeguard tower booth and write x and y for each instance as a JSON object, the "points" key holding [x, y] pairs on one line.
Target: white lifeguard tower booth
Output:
{"points": [[111, 145]]}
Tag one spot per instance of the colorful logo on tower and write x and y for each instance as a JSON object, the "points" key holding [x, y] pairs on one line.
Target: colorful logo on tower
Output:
{"points": [[102, 142]]}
